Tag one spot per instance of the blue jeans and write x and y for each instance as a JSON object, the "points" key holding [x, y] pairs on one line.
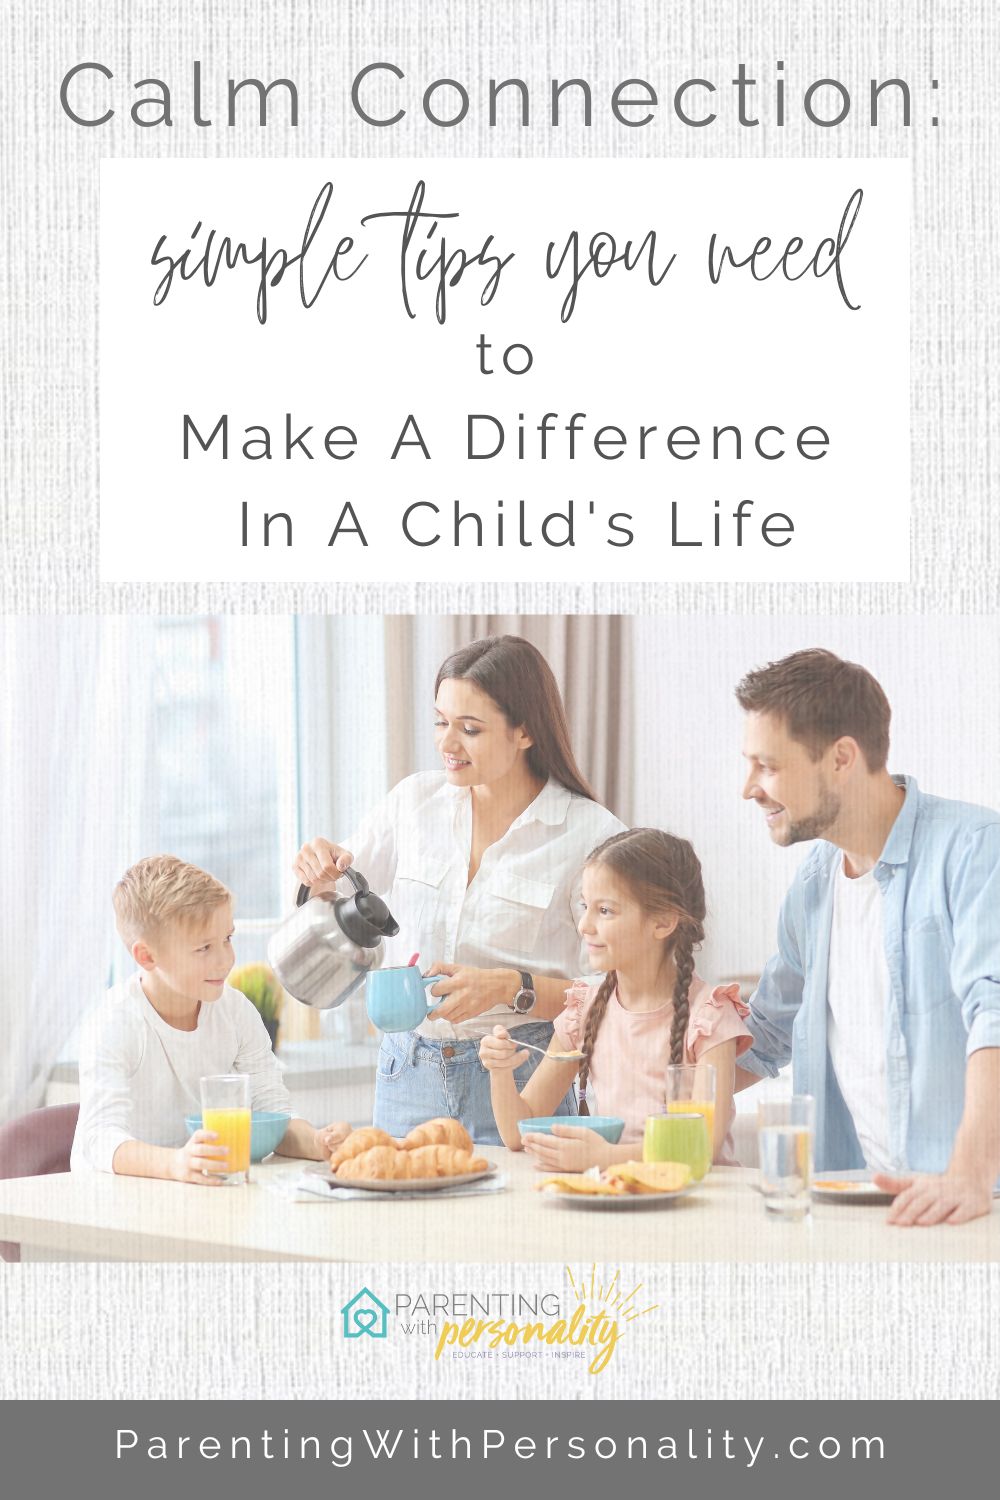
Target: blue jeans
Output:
{"points": [[417, 1079]]}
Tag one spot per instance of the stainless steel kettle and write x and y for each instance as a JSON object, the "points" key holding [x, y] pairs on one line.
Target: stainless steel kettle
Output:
{"points": [[322, 953]]}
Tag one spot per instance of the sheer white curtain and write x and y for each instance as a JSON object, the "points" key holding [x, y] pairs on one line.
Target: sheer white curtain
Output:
{"points": [[342, 734], [76, 807]]}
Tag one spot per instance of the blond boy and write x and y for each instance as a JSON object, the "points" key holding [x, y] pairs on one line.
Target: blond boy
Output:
{"points": [[170, 1024]]}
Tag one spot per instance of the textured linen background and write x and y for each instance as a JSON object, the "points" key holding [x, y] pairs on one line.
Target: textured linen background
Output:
{"points": [[266, 1331], [50, 457]]}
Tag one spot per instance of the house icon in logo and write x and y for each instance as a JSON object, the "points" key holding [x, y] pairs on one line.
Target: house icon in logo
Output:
{"points": [[365, 1313]]}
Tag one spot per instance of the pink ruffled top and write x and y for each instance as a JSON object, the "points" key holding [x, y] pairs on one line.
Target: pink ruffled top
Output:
{"points": [[632, 1048]]}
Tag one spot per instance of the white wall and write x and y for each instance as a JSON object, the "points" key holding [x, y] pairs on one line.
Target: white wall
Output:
{"points": [[942, 677]]}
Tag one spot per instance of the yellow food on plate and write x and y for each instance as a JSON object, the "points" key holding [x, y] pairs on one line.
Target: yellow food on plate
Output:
{"points": [[444, 1161], [628, 1177], [392, 1163], [434, 1136], [651, 1176], [838, 1185], [578, 1182], [378, 1163], [439, 1132], [360, 1140]]}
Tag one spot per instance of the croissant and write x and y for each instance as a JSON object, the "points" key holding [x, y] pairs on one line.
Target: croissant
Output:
{"points": [[358, 1141], [443, 1161], [440, 1132], [377, 1164]]}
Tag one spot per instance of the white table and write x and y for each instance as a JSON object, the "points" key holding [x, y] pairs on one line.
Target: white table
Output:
{"points": [[102, 1217]]}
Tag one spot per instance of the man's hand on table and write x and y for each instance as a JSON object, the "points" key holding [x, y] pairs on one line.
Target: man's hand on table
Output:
{"points": [[939, 1198]]}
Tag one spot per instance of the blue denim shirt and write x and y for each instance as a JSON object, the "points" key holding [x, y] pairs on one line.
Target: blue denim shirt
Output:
{"points": [[939, 875]]}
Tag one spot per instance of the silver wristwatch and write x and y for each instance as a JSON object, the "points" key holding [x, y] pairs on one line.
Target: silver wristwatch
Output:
{"points": [[524, 1000]]}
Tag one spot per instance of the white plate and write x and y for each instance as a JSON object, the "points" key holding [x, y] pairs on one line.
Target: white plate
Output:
{"points": [[404, 1184], [617, 1200], [858, 1188]]}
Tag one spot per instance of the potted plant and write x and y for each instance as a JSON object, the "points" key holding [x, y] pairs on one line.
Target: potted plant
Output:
{"points": [[260, 985]]}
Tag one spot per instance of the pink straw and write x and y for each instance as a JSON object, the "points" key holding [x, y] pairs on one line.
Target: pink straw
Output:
{"points": [[413, 960]]}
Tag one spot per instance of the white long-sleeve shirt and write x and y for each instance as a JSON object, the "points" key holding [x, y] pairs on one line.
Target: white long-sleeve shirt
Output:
{"points": [[521, 909], [139, 1076]]}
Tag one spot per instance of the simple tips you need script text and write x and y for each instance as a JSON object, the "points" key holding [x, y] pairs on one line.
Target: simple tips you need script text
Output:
{"points": [[429, 266]]}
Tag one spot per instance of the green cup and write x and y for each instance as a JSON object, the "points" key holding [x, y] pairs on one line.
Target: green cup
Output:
{"points": [[678, 1137]]}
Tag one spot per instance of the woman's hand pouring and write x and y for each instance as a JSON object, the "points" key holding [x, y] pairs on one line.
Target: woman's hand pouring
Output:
{"points": [[319, 864]]}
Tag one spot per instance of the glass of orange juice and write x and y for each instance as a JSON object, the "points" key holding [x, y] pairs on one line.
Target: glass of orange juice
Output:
{"points": [[225, 1108], [691, 1090]]}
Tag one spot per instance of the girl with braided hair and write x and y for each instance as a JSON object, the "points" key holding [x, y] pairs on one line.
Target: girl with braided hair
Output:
{"points": [[642, 919]]}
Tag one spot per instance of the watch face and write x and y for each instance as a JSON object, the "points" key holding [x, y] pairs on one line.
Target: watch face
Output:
{"points": [[523, 1001]]}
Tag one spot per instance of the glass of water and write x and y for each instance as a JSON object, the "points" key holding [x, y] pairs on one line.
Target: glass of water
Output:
{"points": [[785, 1145]]}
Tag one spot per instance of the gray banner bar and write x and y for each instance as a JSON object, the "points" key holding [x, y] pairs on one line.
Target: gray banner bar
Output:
{"points": [[251, 1449]]}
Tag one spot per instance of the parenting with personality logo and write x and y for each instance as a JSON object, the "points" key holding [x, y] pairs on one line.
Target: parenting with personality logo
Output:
{"points": [[587, 1320], [365, 1314], [593, 1328]]}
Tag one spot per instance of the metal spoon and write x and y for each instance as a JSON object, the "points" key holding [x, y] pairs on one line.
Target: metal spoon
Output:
{"points": [[555, 1056]]}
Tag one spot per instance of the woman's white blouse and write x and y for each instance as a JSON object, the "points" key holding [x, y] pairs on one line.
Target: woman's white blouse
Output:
{"points": [[521, 909]]}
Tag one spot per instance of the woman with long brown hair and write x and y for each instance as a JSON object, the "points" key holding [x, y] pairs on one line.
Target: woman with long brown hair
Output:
{"points": [[480, 865]]}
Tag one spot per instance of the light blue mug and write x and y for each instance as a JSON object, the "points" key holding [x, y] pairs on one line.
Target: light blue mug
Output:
{"points": [[396, 1000]]}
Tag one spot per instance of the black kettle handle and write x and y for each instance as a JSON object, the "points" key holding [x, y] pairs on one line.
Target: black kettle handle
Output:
{"points": [[359, 883]]}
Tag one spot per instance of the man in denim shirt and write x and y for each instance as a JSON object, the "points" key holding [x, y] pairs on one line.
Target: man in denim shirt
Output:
{"points": [[885, 990]]}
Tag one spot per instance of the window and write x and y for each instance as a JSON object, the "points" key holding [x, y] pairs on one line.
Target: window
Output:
{"points": [[221, 770], [223, 760]]}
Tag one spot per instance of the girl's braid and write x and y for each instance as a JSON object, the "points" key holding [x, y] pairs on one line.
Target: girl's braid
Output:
{"points": [[595, 1015], [684, 964], [689, 935]]}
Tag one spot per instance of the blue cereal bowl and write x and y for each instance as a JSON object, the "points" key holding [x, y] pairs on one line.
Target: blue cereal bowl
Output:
{"points": [[266, 1131], [606, 1125]]}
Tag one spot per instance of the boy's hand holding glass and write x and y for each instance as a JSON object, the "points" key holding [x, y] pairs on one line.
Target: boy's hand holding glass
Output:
{"points": [[225, 1109], [199, 1160], [570, 1148], [498, 1053]]}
